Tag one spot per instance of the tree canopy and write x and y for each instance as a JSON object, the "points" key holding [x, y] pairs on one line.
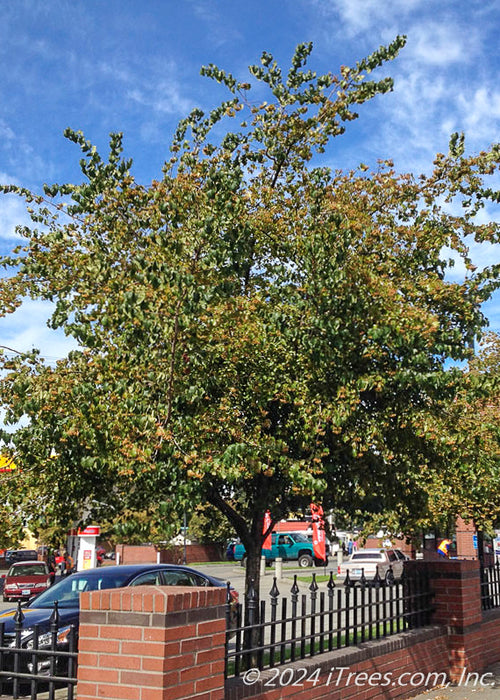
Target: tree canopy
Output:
{"points": [[255, 329]]}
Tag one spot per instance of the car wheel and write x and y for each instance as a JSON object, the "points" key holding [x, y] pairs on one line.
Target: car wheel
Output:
{"points": [[5, 599], [305, 560], [389, 578]]}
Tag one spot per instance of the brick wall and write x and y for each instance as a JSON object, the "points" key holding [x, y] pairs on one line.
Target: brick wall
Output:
{"points": [[392, 668], [157, 643], [194, 553], [136, 554], [148, 554], [401, 544]]}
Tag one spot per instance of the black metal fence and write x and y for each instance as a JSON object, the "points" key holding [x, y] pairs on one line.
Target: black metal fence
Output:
{"points": [[37, 659], [490, 586], [285, 630]]}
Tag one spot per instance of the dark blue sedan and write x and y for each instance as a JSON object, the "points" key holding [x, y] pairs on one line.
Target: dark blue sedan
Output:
{"points": [[66, 593]]}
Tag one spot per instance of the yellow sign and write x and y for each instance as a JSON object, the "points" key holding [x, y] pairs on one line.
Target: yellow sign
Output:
{"points": [[6, 464]]}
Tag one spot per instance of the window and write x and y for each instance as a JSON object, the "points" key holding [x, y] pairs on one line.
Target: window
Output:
{"points": [[150, 578], [179, 578], [365, 556], [36, 570]]}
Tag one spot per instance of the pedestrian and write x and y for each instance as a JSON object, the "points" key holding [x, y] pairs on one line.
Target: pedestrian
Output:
{"points": [[68, 563], [60, 563], [443, 548], [51, 562]]}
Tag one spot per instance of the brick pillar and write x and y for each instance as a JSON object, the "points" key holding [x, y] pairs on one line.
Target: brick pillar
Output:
{"points": [[457, 601], [152, 643], [465, 532]]}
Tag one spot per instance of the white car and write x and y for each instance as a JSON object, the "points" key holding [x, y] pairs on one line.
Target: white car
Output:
{"points": [[388, 563]]}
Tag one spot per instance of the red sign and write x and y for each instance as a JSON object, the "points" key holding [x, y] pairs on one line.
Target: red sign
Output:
{"points": [[90, 530], [318, 528], [265, 528]]}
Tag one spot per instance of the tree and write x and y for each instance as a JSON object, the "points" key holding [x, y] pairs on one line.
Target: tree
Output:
{"points": [[208, 526], [469, 482], [256, 330]]}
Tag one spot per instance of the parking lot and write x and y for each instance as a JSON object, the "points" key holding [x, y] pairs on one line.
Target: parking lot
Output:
{"points": [[235, 574]]}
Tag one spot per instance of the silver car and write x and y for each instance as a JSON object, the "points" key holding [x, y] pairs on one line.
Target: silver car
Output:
{"points": [[388, 563]]}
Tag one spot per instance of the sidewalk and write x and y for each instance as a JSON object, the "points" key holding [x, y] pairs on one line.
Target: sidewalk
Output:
{"points": [[471, 690]]}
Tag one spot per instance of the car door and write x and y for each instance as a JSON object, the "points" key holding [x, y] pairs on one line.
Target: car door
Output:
{"points": [[284, 546]]}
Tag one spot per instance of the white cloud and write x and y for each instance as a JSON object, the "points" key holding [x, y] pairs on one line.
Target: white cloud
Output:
{"points": [[480, 109], [25, 330], [359, 16], [438, 44], [162, 92], [12, 213]]}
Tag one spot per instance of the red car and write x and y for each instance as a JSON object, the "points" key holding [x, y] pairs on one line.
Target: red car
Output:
{"points": [[26, 579]]}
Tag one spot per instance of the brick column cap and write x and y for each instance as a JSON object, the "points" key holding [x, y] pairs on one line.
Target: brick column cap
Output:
{"points": [[154, 599]]}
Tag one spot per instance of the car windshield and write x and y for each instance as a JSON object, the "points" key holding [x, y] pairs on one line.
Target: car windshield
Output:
{"points": [[300, 537], [67, 592], [27, 570]]}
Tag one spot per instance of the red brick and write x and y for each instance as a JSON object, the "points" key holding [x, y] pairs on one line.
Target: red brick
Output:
{"points": [[152, 664], [117, 632], [196, 644], [118, 692], [156, 634], [119, 661], [148, 602], [98, 645], [180, 692], [86, 658], [95, 674], [136, 603], [141, 679], [88, 630], [205, 684], [184, 661], [143, 649], [204, 657], [86, 689], [211, 627]]}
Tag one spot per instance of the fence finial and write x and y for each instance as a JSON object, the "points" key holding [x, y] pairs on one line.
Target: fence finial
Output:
{"points": [[19, 616]]}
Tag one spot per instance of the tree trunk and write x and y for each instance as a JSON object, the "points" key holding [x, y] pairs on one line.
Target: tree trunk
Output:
{"points": [[252, 636]]}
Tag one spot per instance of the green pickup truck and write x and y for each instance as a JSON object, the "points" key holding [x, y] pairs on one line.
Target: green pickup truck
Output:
{"points": [[290, 546]]}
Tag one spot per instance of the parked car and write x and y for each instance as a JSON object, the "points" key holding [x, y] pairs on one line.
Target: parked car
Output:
{"points": [[388, 563], [14, 555], [26, 579], [290, 546], [66, 592]]}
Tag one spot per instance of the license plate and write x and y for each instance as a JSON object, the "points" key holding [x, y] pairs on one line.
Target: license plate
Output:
{"points": [[356, 572], [26, 591]]}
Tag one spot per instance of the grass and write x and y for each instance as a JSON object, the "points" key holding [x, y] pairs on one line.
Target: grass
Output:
{"points": [[337, 644]]}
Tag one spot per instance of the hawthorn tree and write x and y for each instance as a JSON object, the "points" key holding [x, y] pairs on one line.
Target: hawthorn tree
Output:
{"points": [[256, 331]]}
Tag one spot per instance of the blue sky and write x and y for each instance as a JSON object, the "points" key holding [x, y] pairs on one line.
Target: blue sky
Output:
{"points": [[123, 65]]}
